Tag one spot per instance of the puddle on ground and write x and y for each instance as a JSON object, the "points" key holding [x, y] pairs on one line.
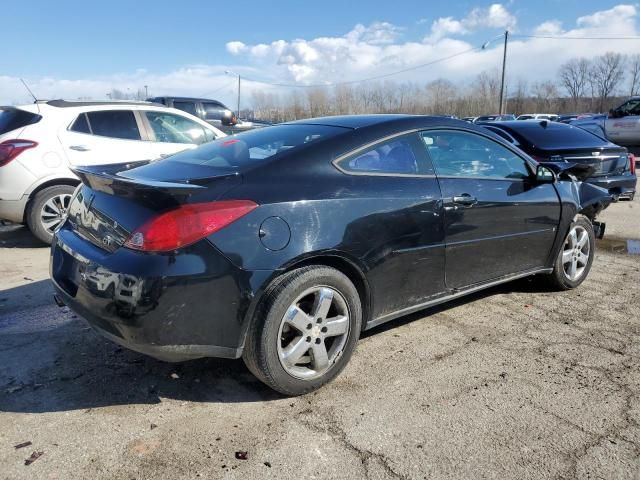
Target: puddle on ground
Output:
{"points": [[620, 245]]}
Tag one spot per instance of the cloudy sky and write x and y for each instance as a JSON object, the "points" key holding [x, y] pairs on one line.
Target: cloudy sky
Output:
{"points": [[71, 48]]}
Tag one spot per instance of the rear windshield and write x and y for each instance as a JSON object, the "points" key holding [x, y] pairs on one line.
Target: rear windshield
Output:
{"points": [[557, 135], [251, 148], [13, 118]]}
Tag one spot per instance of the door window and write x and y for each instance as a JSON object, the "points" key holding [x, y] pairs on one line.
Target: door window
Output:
{"points": [[171, 128], [213, 111], [464, 154], [396, 156], [114, 123], [81, 124], [189, 107]]}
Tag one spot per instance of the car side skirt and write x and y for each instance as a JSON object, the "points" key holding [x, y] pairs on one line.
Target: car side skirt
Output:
{"points": [[455, 294]]}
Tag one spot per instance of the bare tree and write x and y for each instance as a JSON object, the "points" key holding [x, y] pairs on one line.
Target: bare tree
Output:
{"points": [[606, 74], [634, 72], [573, 76]]}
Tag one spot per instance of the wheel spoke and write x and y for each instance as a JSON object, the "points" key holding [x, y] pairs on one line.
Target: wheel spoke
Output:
{"points": [[567, 256], [573, 267], [51, 205], [337, 326], [572, 238], [297, 318], [51, 224], [296, 349], [320, 356], [583, 239], [324, 299]]}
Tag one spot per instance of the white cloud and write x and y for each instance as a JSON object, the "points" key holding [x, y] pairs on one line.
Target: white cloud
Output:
{"points": [[363, 52], [494, 16]]}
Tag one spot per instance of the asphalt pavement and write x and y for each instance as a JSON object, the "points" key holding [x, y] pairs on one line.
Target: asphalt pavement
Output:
{"points": [[514, 382]]}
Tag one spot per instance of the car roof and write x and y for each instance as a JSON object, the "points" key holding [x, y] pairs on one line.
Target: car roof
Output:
{"points": [[94, 103], [184, 99], [390, 120]]}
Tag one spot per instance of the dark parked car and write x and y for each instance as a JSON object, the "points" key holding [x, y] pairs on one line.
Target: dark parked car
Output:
{"points": [[494, 118], [210, 111], [557, 142], [281, 245]]}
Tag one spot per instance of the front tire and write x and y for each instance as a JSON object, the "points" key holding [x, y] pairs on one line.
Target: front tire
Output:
{"points": [[575, 256], [305, 330], [47, 210]]}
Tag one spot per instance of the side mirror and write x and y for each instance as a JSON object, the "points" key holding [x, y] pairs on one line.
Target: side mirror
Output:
{"points": [[545, 174], [229, 119]]}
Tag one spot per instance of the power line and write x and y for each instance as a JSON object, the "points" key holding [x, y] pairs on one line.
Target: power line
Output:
{"points": [[369, 79], [562, 37], [211, 92]]}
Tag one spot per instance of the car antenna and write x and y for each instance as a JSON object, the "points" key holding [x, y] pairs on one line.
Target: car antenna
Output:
{"points": [[35, 100]]}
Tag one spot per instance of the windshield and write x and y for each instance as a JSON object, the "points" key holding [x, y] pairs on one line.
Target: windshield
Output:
{"points": [[248, 149]]}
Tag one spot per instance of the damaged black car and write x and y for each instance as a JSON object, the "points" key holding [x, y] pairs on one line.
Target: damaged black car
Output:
{"points": [[281, 245]]}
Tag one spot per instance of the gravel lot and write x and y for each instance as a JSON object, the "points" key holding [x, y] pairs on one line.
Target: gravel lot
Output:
{"points": [[516, 382]]}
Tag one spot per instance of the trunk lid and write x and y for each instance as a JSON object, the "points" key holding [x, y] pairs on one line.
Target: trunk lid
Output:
{"points": [[114, 200], [605, 161]]}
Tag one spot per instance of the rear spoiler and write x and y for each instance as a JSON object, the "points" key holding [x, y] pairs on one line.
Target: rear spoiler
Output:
{"points": [[107, 179]]}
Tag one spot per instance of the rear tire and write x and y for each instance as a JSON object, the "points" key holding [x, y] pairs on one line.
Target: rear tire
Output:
{"points": [[575, 256], [305, 330], [47, 210]]}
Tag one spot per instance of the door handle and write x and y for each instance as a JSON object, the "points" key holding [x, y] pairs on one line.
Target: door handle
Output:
{"points": [[79, 148], [465, 199]]}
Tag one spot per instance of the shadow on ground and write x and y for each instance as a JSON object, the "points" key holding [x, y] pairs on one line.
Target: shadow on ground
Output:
{"points": [[18, 236], [50, 361]]}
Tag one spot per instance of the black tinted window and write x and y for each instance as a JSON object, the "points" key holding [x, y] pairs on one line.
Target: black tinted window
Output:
{"points": [[395, 156], [463, 154], [115, 124], [557, 135], [213, 111], [251, 148], [81, 125], [12, 119], [189, 107]]}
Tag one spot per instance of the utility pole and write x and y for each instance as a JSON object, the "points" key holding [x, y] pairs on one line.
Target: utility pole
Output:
{"points": [[231, 72], [504, 66], [238, 117], [146, 92]]}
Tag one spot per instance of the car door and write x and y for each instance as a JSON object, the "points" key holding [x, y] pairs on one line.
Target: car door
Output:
{"points": [[104, 136], [402, 238], [624, 127], [171, 133], [497, 219]]}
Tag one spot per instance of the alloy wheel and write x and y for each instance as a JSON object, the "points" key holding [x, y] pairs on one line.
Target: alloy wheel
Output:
{"points": [[53, 211], [313, 333], [575, 254]]}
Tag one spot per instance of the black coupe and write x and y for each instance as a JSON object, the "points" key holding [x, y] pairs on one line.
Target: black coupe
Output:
{"points": [[282, 244]]}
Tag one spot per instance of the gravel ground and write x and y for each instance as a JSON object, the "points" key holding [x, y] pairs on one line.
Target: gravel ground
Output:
{"points": [[515, 382]]}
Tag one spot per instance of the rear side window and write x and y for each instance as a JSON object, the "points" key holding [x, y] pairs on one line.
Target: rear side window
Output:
{"points": [[393, 157], [81, 124], [14, 118], [115, 124], [189, 107], [254, 147]]}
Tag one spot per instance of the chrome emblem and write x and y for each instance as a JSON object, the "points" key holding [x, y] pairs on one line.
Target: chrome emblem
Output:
{"points": [[595, 154], [107, 241]]}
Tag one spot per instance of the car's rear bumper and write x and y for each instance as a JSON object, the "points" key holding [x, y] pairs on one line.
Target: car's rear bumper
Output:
{"points": [[188, 304], [621, 186], [13, 210]]}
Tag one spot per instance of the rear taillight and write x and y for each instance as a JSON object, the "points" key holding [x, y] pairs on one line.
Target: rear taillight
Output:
{"points": [[187, 224], [10, 149], [632, 163]]}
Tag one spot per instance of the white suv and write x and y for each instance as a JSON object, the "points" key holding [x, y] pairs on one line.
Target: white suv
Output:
{"points": [[39, 142]]}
